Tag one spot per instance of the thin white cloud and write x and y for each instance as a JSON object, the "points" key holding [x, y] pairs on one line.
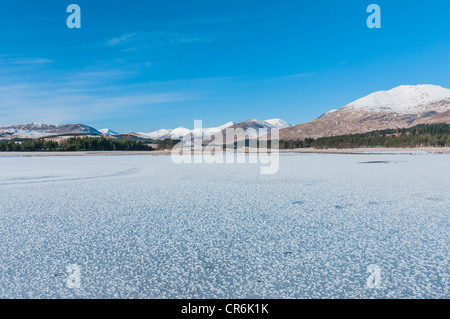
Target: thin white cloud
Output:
{"points": [[146, 39], [33, 61], [52, 104], [25, 61], [120, 40]]}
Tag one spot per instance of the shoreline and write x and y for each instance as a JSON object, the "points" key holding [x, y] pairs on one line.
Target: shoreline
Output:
{"points": [[371, 150], [350, 151]]}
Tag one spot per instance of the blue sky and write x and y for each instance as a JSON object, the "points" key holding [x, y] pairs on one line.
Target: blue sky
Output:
{"points": [[144, 65]]}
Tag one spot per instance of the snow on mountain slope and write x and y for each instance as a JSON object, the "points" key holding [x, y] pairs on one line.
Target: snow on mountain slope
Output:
{"points": [[107, 131], [224, 126], [402, 106], [165, 133], [37, 130], [208, 132], [267, 124], [156, 135], [407, 99], [277, 123], [180, 132], [252, 129]]}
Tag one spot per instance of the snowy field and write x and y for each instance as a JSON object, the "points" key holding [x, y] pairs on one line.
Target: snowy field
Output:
{"points": [[143, 227]]}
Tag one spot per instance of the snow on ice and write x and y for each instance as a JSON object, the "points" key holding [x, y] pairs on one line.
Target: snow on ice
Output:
{"points": [[143, 227]]}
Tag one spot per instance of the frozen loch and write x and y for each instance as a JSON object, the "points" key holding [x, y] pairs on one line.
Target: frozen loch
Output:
{"points": [[143, 227]]}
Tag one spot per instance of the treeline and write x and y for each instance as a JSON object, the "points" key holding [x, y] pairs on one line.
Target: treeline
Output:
{"points": [[295, 144], [73, 144], [167, 144], [434, 135]]}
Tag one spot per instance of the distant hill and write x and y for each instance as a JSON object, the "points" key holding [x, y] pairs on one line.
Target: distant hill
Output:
{"points": [[39, 130]]}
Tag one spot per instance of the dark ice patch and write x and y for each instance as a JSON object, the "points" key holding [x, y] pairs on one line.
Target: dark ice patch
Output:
{"points": [[375, 162]]}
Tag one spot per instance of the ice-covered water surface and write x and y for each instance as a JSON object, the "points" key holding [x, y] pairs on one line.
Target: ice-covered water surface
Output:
{"points": [[143, 227]]}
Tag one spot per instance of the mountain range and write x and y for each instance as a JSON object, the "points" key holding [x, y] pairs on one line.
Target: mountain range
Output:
{"points": [[403, 106], [207, 133]]}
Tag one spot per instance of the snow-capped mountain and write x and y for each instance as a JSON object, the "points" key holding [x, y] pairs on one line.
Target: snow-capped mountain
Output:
{"points": [[266, 124], [38, 130], [403, 106], [252, 129], [207, 132], [107, 131], [180, 132], [277, 123], [406, 99]]}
